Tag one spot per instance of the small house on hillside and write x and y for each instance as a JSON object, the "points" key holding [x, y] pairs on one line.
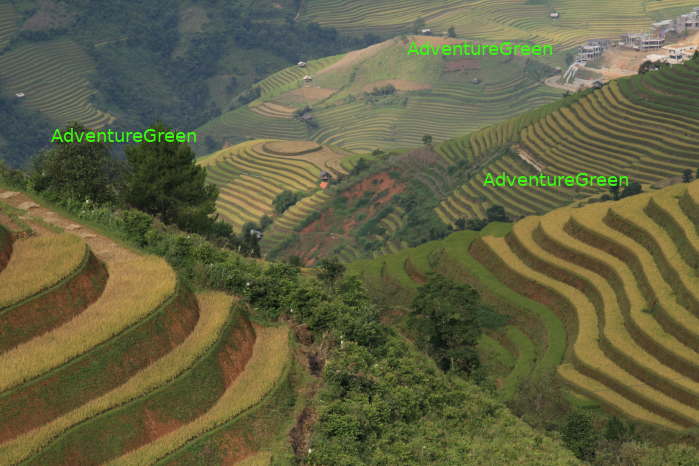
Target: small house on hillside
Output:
{"points": [[325, 176], [256, 233], [301, 64], [426, 32], [597, 85], [554, 15], [308, 78], [19, 95]]}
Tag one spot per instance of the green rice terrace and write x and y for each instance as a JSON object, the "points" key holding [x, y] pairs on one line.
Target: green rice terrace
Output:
{"points": [[495, 20], [51, 77], [250, 175], [604, 296], [107, 357], [342, 103], [644, 127]]}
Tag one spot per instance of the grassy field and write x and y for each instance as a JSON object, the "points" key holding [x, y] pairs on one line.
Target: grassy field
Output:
{"points": [[496, 20], [615, 279], [63, 91], [430, 100]]}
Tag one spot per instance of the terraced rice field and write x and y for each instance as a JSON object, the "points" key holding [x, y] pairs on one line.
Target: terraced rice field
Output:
{"points": [[61, 90], [616, 281], [493, 20], [38, 263], [443, 104], [534, 344], [643, 127], [251, 174], [290, 78], [132, 360], [622, 277], [8, 23]]}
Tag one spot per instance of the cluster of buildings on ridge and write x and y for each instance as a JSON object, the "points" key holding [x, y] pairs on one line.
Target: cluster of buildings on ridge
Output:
{"points": [[646, 41]]}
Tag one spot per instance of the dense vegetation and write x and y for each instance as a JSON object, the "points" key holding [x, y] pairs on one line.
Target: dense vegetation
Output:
{"points": [[176, 62]]}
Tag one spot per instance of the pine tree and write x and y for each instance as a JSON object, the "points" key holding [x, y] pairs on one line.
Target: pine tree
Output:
{"points": [[165, 180], [579, 436]]}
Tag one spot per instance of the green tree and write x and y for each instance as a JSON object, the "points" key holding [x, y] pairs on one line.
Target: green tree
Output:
{"points": [[632, 189], [284, 200], [445, 318], [614, 190], [330, 270], [451, 32], [165, 180], [496, 213], [79, 171], [616, 430], [427, 139], [687, 175], [580, 436]]}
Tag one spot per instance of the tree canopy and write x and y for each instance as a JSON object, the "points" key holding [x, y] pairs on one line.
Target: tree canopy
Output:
{"points": [[445, 317], [77, 171], [164, 180]]}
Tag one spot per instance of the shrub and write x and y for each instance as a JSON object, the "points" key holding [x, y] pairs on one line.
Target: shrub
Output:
{"points": [[284, 200], [136, 224]]}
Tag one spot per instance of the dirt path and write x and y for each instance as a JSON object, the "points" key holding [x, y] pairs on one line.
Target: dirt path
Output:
{"points": [[104, 248], [527, 157]]}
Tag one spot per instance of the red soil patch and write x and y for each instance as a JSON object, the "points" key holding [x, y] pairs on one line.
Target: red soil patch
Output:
{"points": [[156, 427], [323, 224], [377, 183], [413, 272], [319, 236], [54, 308], [237, 352]]}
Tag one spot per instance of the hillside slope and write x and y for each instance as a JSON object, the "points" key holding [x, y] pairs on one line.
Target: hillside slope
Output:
{"points": [[608, 293], [643, 127], [496, 20], [434, 95], [105, 353]]}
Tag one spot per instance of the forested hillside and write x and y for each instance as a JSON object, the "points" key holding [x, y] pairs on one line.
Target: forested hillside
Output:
{"points": [[108, 62]]}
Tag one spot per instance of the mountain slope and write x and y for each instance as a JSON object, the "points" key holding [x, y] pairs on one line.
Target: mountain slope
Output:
{"points": [[433, 95], [101, 364], [496, 20], [619, 277]]}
